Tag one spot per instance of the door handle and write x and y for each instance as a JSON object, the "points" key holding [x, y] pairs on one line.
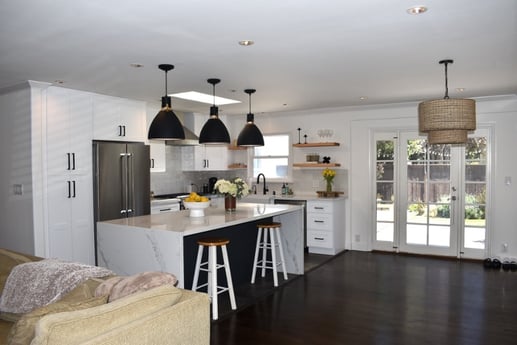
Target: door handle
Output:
{"points": [[69, 189], [319, 221], [73, 160], [124, 130], [152, 163], [73, 189], [68, 157]]}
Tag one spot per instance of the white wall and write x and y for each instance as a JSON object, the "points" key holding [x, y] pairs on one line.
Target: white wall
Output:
{"points": [[16, 169], [353, 128]]}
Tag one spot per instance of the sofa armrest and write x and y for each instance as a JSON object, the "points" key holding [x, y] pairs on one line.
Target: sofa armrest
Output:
{"points": [[185, 323], [79, 326]]}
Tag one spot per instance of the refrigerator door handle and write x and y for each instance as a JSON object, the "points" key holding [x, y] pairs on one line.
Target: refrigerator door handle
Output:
{"points": [[131, 183], [123, 181]]}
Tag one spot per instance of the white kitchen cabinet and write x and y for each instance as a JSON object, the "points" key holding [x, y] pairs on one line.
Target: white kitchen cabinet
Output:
{"points": [[118, 119], [326, 226], [69, 186], [204, 158], [157, 147]]}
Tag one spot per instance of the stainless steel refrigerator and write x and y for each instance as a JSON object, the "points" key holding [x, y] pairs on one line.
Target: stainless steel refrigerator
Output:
{"points": [[121, 179]]}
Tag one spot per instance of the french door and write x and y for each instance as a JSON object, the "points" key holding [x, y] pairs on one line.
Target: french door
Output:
{"points": [[431, 199]]}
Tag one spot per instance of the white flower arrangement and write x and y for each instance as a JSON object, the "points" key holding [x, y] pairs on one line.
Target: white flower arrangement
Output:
{"points": [[236, 187]]}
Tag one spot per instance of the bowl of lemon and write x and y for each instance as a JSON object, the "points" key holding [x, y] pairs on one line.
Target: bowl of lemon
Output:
{"points": [[196, 204]]}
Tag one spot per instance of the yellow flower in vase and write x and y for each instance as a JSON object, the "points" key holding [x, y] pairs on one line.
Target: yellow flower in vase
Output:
{"points": [[328, 175]]}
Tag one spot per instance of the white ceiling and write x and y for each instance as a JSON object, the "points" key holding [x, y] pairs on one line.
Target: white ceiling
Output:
{"points": [[307, 54]]}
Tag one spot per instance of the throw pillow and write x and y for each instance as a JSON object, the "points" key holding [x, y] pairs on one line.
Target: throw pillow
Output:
{"points": [[119, 287], [23, 331]]}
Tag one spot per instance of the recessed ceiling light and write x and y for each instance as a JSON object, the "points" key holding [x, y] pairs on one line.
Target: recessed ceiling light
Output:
{"points": [[363, 98], [203, 98], [460, 89], [136, 65], [246, 43], [416, 10]]}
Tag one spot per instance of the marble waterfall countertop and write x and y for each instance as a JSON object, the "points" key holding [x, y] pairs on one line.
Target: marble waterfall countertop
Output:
{"points": [[215, 218], [166, 242]]}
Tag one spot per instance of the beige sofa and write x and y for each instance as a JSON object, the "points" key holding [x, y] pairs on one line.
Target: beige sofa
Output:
{"points": [[161, 315]]}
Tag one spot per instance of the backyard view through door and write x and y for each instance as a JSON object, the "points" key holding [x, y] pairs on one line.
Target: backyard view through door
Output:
{"points": [[430, 199]]}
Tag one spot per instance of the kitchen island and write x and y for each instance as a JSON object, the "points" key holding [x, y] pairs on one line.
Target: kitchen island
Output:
{"points": [[167, 242]]}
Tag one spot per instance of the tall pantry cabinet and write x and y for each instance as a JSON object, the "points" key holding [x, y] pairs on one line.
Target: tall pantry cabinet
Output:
{"points": [[46, 142]]}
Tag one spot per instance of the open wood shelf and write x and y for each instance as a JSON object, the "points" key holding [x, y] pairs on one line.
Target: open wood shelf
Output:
{"points": [[237, 148], [316, 165], [323, 144]]}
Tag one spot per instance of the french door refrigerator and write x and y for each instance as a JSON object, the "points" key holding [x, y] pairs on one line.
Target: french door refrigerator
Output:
{"points": [[121, 179]]}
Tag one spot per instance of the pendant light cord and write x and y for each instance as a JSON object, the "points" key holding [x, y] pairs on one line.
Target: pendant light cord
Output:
{"points": [[249, 103], [446, 62]]}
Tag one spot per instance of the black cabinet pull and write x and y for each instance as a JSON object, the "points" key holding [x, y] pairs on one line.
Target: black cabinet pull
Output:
{"points": [[119, 131], [319, 221], [69, 189], [124, 127], [73, 189], [152, 163], [68, 157], [318, 208], [73, 160], [319, 238]]}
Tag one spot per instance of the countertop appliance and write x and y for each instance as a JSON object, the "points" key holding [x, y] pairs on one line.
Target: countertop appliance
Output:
{"points": [[165, 205], [121, 179], [211, 184]]}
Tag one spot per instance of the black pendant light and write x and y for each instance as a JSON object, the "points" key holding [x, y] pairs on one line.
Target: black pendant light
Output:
{"points": [[250, 134], [214, 131], [166, 125]]}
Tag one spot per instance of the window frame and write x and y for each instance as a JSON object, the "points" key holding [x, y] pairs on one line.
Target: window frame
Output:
{"points": [[252, 156]]}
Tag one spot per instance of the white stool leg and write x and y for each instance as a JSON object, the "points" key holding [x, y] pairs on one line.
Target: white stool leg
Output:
{"points": [[281, 249], [198, 266], [257, 246], [226, 263], [273, 255], [212, 263], [264, 253]]}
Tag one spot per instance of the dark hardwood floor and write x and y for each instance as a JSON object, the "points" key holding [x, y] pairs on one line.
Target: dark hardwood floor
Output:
{"points": [[375, 298]]}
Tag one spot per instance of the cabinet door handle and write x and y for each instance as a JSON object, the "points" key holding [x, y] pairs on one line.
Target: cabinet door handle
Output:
{"points": [[69, 189], [152, 163], [73, 160], [165, 209], [73, 189], [319, 238], [319, 221], [68, 158], [119, 130], [318, 208], [124, 132]]}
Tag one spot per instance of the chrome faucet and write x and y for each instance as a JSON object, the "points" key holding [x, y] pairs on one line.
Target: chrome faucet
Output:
{"points": [[265, 190]]}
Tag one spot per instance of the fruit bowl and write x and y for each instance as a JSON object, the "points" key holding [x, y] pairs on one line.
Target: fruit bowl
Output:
{"points": [[197, 209]]}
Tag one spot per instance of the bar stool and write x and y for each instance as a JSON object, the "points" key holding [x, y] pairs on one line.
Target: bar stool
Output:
{"points": [[275, 241], [211, 268]]}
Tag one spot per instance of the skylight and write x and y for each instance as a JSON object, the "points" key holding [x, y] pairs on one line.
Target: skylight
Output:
{"points": [[203, 98]]}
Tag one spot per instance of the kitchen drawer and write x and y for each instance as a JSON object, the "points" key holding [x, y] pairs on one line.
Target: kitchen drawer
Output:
{"points": [[320, 207], [320, 222], [320, 239]]}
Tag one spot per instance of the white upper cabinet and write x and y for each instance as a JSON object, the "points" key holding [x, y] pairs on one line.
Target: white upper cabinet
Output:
{"points": [[158, 163], [119, 119], [69, 131]]}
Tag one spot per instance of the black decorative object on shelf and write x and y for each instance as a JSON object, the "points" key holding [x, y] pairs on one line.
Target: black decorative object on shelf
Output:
{"points": [[299, 129], [326, 159], [305, 138]]}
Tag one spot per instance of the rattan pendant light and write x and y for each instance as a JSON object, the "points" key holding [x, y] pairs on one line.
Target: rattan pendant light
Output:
{"points": [[250, 135], [447, 120], [214, 131], [166, 125]]}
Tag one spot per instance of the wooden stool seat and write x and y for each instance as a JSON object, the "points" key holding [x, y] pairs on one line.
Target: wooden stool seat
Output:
{"points": [[269, 225], [211, 266], [275, 241], [212, 242]]}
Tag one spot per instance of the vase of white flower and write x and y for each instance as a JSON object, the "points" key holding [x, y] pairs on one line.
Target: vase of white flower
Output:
{"points": [[232, 190]]}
